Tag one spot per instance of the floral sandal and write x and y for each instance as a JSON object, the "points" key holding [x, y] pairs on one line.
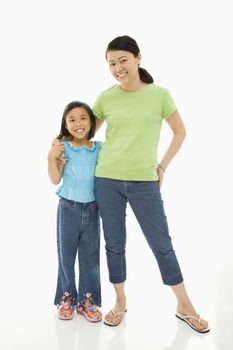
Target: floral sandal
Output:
{"points": [[89, 311], [66, 307]]}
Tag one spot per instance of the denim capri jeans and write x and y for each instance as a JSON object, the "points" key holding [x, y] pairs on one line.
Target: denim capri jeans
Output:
{"points": [[144, 197]]}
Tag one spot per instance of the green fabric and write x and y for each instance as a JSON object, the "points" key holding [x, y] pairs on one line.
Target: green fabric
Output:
{"points": [[133, 128]]}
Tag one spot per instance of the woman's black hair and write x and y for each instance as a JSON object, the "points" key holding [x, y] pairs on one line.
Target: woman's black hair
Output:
{"points": [[64, 133], [126, 43]]}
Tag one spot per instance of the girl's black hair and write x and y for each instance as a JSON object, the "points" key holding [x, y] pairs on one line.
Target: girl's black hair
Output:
{"points": [[64, 133], [126, 43]]}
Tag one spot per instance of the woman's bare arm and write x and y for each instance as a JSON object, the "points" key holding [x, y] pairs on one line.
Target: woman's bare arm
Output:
{"points": [[177, 126]]}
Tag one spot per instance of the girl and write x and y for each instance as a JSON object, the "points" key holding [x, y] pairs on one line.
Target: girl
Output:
{"points": [[128, 171], [77, 215]]}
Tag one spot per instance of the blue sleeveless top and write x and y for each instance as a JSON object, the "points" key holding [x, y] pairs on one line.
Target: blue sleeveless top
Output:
{"points": [[78, 172]]}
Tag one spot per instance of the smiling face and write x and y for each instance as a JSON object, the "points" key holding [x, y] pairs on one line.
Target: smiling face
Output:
{"points": [[78, 123], [124, 66]]}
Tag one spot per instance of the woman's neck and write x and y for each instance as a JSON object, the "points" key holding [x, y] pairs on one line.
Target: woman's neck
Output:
{"points": [[132, 86]]}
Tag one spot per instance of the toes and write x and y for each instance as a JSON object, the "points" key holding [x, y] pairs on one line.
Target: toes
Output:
{"points": [[96, 316], [108, 319], [201, 326], [65, 313], [113, 319], [204, 324], [99, 316]]}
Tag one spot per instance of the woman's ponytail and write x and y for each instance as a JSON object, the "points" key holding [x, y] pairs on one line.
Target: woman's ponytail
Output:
{"points": [[145, 76]]}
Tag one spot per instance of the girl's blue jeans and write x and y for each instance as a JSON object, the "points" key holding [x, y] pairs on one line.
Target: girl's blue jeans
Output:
{"points": [[147, 205], [78, 234]]}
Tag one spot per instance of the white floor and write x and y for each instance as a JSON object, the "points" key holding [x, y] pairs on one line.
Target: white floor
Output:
{"points": [[152, 326], [29, 319]]}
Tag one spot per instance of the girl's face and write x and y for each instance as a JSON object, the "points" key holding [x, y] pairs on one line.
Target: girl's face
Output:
{"points": [[124, 66], [78, 123]]}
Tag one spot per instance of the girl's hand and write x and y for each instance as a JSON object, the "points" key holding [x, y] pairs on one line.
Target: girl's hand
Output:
{"points": [[56, 142], [57, 150], [55, 166], [160, 172], [61, 158]]}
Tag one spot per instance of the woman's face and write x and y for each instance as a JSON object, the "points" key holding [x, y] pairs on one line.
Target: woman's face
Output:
{"points": [[123, 65]]}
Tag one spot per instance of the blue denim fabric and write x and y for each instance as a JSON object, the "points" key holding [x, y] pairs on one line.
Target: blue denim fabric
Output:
{"points": [[146, 202], [78, 234]]}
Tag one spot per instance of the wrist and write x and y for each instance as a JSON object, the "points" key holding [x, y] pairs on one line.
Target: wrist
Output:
{"points": [[162, 167]]}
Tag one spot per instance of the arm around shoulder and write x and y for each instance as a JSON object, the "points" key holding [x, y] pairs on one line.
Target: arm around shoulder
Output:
{"points": [[98, 123]]}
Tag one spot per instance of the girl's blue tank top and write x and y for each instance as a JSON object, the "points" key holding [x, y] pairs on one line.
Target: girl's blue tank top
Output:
{"points": [[78, 172]]}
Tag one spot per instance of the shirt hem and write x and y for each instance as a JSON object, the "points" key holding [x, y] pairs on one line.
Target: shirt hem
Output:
{"points": [[127, 177]]}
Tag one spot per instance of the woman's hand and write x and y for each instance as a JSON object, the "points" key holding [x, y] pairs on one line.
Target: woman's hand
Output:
{"points": [[160, 172], [177, 126]]}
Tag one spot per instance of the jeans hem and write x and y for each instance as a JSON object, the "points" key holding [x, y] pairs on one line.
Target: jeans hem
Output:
{"points": [[118, 279], [171, 281]]}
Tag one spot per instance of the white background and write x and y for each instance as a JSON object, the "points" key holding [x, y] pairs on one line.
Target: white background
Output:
{"points": [[53, 52]]}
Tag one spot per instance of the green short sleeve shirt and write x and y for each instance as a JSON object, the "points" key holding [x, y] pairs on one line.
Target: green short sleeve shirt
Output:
{"points": [[133, 128]]}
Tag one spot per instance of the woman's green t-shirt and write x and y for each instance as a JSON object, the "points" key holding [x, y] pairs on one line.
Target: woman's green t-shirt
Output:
{"points": [[133, 128]]}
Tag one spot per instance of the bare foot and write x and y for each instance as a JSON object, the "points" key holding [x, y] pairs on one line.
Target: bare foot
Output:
{"points": [[96, 314], [116, 316], [187, 309], [65, 311]]}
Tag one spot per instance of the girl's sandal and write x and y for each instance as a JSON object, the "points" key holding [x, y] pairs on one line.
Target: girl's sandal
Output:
{"points": [[89, 311], [66, 307]]}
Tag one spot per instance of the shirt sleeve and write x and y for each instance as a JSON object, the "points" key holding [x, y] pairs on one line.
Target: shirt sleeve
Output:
{"points": [[97, 109], [168, 105]]}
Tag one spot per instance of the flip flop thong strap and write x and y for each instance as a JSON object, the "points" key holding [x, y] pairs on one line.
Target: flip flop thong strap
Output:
{"points": [[113, 312], [197, 318], [118, 313]]}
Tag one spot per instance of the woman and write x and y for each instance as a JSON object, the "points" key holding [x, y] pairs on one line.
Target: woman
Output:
{"points": [[128, 171]]}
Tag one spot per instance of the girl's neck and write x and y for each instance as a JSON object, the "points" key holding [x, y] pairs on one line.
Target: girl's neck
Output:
{"points": [[80, 143]]}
